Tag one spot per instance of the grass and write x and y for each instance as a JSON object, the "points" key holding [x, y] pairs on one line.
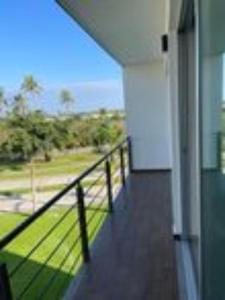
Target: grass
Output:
{"points": [[62, 165], [73, 164], [69, 163], [21, 246]]}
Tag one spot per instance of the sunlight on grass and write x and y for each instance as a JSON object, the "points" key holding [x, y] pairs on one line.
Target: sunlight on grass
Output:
{"points": [[21, 246], [62, 164]]}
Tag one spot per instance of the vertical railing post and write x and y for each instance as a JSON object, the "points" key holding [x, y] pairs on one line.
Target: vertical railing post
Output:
{"points": [[83, 223], [130, 158], [5, 290], [109, 185], [122, 166]]}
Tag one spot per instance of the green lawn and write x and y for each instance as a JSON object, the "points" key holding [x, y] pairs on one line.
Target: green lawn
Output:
{"points": [[38, 262], [68, 163], [21, 246]]}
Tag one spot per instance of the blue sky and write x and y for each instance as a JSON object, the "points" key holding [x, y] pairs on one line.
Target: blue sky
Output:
{"points": [[37, 37]]}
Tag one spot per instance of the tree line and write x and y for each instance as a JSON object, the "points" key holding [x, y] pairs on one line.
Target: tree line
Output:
{"points": [[27, 133]]}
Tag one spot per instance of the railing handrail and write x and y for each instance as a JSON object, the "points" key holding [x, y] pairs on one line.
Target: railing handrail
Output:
{"points": [[32, 218]]}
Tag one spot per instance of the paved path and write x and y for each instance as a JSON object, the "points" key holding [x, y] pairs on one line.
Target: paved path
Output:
{"points": [[13, 184], [24, 204]]}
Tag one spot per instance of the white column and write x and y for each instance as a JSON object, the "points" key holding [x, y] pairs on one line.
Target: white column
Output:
{"points": [[148, 115]]}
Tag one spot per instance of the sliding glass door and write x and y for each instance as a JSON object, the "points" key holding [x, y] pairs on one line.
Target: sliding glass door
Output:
{"points": [[189, 134], [212, 125]]}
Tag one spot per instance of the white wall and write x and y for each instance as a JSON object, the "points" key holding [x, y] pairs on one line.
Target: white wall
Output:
{"points": [[148, 115]]}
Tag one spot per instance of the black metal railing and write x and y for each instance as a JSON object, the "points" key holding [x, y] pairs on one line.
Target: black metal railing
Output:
{"points": [[58, 235]]}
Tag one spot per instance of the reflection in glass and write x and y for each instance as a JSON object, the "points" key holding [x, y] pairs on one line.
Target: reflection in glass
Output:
{"points": [[212, 48]]}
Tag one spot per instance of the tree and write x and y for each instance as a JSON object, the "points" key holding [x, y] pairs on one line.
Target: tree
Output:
{"points": [[100, 134], [20, 105], [102, 112], [30, 87], [82, 130], [67, 100], [43, 134], [18, 146]]}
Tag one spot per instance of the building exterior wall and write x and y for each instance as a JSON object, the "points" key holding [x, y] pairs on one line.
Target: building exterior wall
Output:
{"points": [[148, 115]]}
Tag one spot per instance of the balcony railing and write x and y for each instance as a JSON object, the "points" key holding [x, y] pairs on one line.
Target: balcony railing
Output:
{"points": [[59, 247]]}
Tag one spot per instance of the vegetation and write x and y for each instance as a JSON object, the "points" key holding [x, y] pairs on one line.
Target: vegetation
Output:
{"points": [[25, 242], [34, 145], [67, 100], [63, 163], [27, 134]]}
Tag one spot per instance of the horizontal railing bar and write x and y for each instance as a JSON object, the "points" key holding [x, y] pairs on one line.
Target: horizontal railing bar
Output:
{"points": [[95, 196], [115, 172], [95, 165], [89, 220], [93, 183], [96, 226], [98, 209], [115, 169], [47, 286], [42, 240], [116, 179], [24, 291], [116, 192], [76, 260], [21, 227]]}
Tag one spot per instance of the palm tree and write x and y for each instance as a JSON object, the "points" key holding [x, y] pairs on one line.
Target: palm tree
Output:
{"points": [[30, 86], [67, 100], [20, 105], [20, 108]]}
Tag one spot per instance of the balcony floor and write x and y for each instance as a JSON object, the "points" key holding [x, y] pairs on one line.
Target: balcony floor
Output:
{"points": [[133, 257]]}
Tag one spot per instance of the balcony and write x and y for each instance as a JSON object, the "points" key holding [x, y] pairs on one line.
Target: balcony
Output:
{"points": [[116, 241], [134, 254]]}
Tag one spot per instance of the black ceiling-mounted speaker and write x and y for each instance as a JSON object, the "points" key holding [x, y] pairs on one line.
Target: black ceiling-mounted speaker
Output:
{"points": [[165, 45]]}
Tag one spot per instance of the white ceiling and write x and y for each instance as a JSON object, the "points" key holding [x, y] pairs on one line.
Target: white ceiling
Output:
{"points": [[129, 30]]}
